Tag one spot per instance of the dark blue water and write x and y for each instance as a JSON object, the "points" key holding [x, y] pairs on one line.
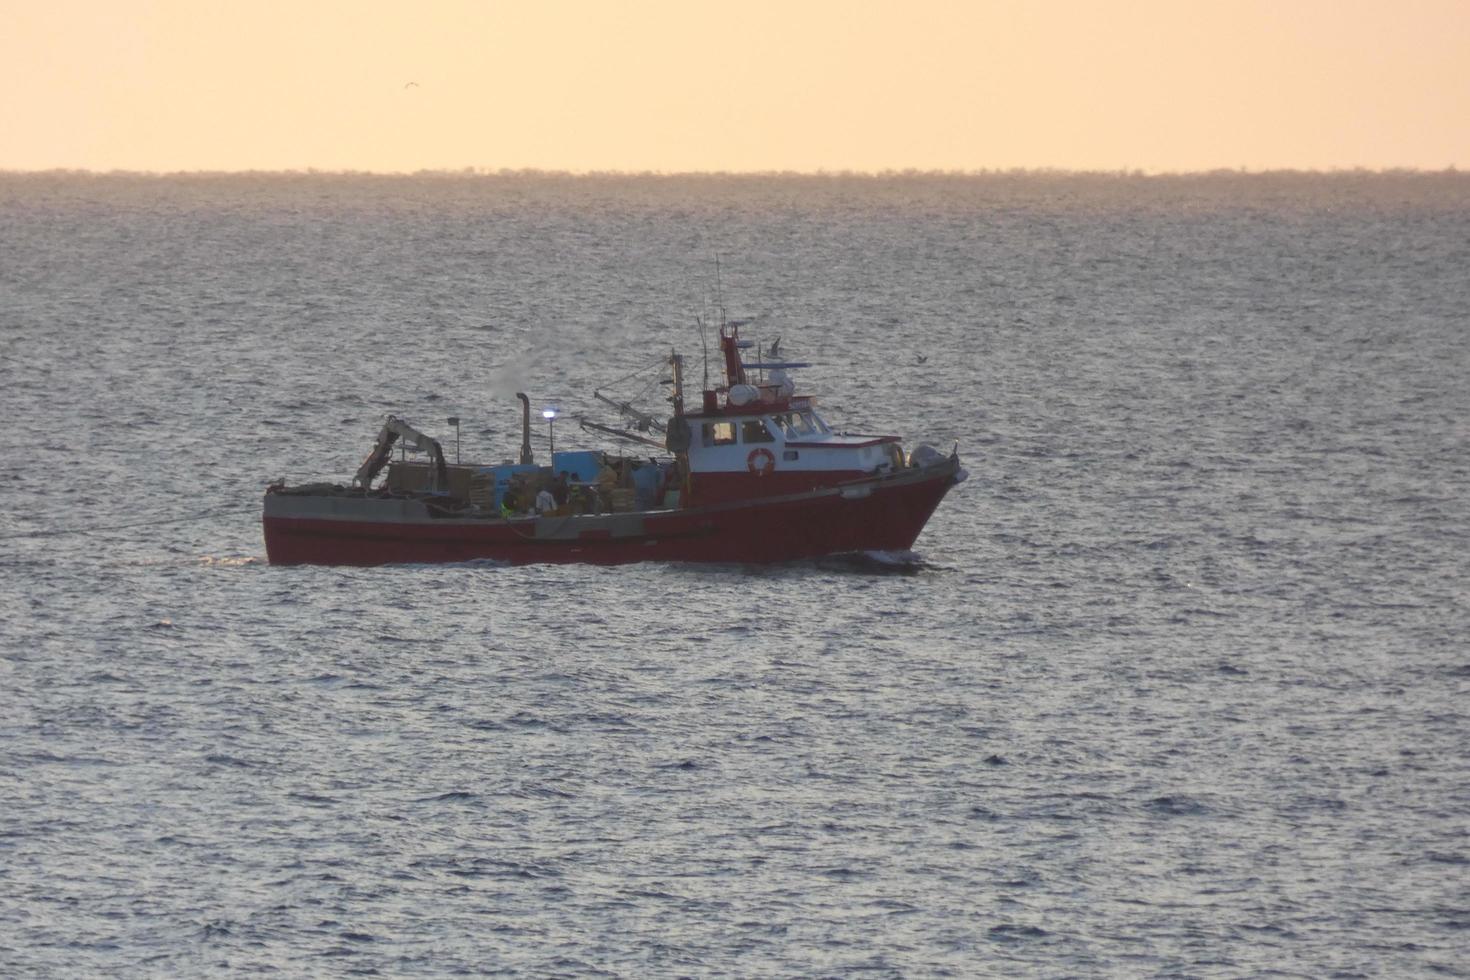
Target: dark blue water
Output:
{"points": [[1175, 685]]}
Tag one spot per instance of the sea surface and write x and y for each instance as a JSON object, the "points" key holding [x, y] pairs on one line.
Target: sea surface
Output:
{"points": [[1177, 684]]}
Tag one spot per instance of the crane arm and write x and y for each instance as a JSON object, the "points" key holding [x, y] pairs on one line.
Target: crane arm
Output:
{"points": [[393, 430]]}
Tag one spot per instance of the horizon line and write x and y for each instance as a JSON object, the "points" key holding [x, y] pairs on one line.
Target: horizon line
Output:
{"points": [[820, 173]]}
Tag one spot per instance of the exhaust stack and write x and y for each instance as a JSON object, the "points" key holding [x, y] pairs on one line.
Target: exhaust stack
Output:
{"points": [[526, 459]]}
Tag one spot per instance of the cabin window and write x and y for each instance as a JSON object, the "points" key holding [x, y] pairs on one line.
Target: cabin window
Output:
{"points": [[798, 424], [719, 433], [754, 430]]}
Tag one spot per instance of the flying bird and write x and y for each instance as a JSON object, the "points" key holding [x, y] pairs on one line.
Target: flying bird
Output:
{"points": [[412, 85]]}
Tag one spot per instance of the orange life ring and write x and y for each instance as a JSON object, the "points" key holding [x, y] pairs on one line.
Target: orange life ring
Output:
{"points": [[761, 462]]}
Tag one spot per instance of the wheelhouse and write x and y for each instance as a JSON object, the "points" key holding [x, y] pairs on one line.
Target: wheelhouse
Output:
{"points": [[759, 438]]}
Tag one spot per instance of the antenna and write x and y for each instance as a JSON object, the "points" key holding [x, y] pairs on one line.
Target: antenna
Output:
{"points": [[704, 343], [719, 292]]}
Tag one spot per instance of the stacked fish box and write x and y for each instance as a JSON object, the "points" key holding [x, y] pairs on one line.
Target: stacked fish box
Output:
{"points": [[488, 485], [624, 500]]}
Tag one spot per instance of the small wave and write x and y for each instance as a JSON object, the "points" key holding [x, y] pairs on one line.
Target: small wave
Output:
{"points": [[1009, 933], [493, 868], [894, 907], [454, 796], [312, 799], [524, 719], [1270, 928], [844, 874], [541, 792], [686, 765], [1177, 806]]}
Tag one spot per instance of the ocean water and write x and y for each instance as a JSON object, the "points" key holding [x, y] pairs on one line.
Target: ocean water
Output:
{"points": [[1175, 685]]}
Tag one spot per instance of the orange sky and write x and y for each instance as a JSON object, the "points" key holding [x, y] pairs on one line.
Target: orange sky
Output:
{"points": [[682, 85]]}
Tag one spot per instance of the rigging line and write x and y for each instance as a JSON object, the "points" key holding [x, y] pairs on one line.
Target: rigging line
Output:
{"points": [[633, 374], [59, 531], [646, 390]]}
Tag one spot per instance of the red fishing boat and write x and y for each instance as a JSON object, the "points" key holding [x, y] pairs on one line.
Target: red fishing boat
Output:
{"points": [[754, 474]]}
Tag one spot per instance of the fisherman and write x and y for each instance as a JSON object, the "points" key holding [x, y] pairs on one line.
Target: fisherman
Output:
{"points": [[545, 502], [607, 482], [591, 504], [561, 491]]}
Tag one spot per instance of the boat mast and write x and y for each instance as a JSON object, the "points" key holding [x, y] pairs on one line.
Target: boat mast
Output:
{"points": [[703, 343], [676, 361], [719, 291]]}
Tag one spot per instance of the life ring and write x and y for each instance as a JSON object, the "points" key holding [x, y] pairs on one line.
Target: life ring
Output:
{"points": [[761, 462]]}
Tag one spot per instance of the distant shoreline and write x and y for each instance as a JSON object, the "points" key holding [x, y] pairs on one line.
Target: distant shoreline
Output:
{"points": [[470, 173]]}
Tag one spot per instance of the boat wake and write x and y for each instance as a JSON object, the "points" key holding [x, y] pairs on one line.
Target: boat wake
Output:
{"points": [[877, 563], [841, 563]]}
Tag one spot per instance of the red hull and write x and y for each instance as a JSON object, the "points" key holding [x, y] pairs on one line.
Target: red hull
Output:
{"points": [[883, 514]]}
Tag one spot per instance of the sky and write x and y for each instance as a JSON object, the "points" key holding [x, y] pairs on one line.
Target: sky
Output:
{"points": [[718, 85]]}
